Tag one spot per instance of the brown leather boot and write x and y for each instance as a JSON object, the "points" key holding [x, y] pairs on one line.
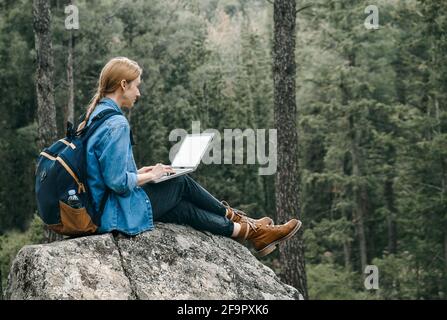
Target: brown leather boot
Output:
{"points": [[265, 238], [238, 216]]}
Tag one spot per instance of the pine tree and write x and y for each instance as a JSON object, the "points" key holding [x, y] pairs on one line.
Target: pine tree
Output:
{"points": [[285, 112]]}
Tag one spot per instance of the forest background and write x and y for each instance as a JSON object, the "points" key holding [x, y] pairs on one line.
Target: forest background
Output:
{"points": [[372, 121]]}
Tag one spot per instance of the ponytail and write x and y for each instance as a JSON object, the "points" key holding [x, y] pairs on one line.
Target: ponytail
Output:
{"points": [[91, 107]]}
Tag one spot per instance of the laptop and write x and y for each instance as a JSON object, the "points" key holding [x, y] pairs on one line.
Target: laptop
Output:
{"points": [[189, 155]]}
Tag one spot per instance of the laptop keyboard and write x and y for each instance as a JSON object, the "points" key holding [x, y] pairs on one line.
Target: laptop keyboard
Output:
{"points": [[178, 171]]}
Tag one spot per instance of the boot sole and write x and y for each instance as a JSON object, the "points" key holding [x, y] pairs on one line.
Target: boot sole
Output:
{"points": [[272, 246]]}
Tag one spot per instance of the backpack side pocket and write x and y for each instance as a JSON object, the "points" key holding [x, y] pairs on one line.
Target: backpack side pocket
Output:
{"points": [[73, 221]]}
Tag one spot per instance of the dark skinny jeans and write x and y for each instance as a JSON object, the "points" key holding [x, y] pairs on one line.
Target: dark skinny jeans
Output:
{"points": [[182, 200]]}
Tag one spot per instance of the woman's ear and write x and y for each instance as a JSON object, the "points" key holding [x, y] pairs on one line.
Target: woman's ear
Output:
{"points": [[123, 84]]}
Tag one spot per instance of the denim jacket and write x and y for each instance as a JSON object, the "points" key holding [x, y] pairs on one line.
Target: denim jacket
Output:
{"points": [[110, 163]]}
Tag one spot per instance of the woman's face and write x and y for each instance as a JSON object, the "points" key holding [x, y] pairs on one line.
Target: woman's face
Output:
{"points": [[131, 93]]}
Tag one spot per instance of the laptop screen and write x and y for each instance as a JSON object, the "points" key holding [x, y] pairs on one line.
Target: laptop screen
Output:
{"points": [[191, 150]]}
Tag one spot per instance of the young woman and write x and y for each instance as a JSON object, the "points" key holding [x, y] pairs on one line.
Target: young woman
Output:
{"points": [[133, 204]]}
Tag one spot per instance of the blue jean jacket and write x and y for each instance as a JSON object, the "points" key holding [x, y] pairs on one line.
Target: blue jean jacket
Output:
{"points": [[110, 163]]}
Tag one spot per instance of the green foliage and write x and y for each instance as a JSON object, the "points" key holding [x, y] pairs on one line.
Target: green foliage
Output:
{"points": [[328, 281], [371, 109], [17, 180], [12, 241], [373, 142], [398, 276], [328, 237]]}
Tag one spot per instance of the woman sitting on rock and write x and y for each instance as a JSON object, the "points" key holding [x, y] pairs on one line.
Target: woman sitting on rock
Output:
{"points": [[133, 204]]}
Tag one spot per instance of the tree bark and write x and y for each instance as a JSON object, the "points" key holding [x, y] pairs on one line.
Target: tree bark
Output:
{"points": [[1, 286], [443, 192], [444, 185], [70, 80], [360, 197], [360, 211], [347, 255], [391, 217], [287, 181], [360, 194], [445, 251], [46, 109]]}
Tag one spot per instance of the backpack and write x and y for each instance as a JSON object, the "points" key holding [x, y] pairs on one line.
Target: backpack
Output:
{"points": [[61, 168]]}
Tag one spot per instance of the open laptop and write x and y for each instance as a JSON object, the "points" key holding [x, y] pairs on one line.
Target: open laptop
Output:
{"points": [[189, 155]]}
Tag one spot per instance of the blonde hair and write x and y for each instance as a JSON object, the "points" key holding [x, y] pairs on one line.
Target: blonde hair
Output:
{"points": [[114, 71]]}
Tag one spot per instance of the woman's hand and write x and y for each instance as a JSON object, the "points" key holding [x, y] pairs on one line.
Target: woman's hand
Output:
{"points": [[160, 170], [145, 169], [150, 173]]}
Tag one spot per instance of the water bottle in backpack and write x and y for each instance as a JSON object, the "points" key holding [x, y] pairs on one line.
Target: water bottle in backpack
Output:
{"points": [[73, 200]]}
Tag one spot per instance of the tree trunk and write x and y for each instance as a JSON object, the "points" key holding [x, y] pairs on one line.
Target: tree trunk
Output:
{"points": [[445, 251], [46, 110], [360, 211], [347, 255], [444, 183], [391, 218], [443, 192], [70, 80], [287, 181], [1, 285], [360, 197]]}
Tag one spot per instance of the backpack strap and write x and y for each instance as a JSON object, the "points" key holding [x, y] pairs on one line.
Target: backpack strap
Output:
{"points": [[99, 118], [97, 121]]}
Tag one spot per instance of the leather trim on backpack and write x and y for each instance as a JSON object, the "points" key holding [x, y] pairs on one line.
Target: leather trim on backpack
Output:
{"points": [[73, 221], [71, 145], [81, 187], [46, 155]]}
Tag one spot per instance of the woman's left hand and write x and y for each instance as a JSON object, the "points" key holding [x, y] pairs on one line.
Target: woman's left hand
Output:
{"points": [[145, 169]]}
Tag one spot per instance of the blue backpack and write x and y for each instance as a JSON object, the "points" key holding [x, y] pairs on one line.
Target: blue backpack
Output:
{"points": [[62, 168]]}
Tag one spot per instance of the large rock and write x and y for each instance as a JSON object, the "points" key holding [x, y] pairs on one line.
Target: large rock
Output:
{"points": [[171, 262]]}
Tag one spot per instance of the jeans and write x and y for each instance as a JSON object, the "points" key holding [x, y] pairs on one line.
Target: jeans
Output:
{"points": [[182, 200]]}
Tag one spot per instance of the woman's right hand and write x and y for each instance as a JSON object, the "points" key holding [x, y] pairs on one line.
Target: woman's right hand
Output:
{"points": [[160, 170]]}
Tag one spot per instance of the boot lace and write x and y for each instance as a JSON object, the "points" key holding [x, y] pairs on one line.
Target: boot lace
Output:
{"points": [[244, 217], [240, 213], [251, 225]]}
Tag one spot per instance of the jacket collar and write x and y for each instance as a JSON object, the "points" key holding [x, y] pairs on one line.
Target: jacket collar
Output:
{"points": [[111, 103]]}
